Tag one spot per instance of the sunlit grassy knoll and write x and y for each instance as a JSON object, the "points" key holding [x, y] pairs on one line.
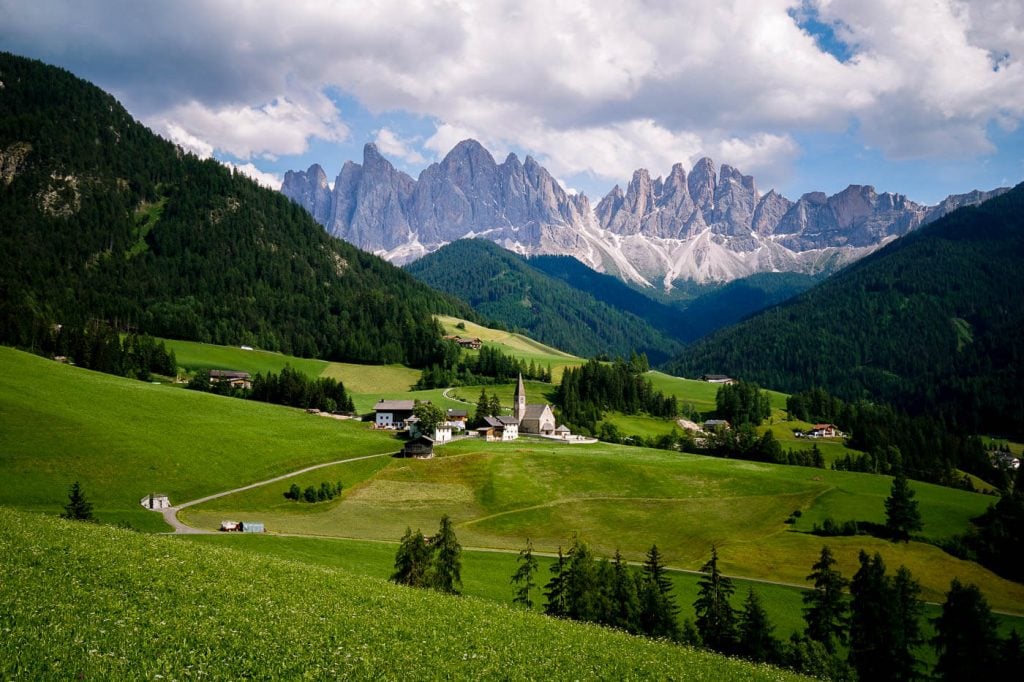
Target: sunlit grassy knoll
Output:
{"points": [[160, 608], [364, 402], [195, 356], [357, 378], [123, 439], [785, 430], [700, 394], [513, 344], [628, 498], [640, 424]]}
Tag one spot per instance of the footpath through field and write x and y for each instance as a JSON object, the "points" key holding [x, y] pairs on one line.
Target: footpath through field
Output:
{"points": [[171, 513]]}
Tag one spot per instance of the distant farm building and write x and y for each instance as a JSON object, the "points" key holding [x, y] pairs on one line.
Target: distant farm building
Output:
{"points": [[465, 342], [421, 447], [563, 431], [718, 379], [392, 414], [231, 377], [442, 432], [155, 501], [502, 428], [716, 425], [825, 431]]}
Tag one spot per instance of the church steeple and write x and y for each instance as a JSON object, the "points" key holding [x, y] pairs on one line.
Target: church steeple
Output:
{"points": [[519, 400]]}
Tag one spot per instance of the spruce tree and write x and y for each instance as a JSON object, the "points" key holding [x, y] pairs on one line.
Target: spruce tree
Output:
{"points": [[658, 608], [756, 640], [412, 560], [906, 628], [482, 408], [554, 590], [523, 577], [825, 606], [78, 508], [580, 584], [624, 597], [902, 516], [494, 406], [447, 573], [716, 618], [871, 620], [965, 634]]}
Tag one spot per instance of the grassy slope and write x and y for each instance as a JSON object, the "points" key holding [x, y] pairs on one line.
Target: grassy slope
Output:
{"points": [[123, 439], [516, 345], [629, 498], [88, 602]]}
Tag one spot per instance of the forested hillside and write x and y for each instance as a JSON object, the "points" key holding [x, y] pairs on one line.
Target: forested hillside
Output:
{"points": [[933, 323], [502, 286], [102, 219]]}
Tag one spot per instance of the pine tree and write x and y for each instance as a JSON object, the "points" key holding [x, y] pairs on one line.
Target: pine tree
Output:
{"points": [[447, 573], [902, 516], [906, 628], [965, 634], [482, 408], [825, 606], [78, 508], [580, 584], [523, 577], [624, 597], [554, 590], [494, 406], [871, 619], [756, 640], [412, 560], [658, 608], [716, 618]]}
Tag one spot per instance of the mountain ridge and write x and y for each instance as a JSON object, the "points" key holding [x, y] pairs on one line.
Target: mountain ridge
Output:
{"points": [[708, 225]]}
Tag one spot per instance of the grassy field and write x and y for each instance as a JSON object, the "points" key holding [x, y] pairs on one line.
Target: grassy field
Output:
{"points": [[486, 575], [123, 439], [87, 602], [628, 498], [358, 379]]}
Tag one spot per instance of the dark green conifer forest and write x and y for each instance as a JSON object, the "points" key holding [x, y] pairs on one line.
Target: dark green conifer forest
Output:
{"points": [[100, 219]]}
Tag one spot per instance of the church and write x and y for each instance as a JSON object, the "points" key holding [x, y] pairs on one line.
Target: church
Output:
{"points": [[536, 418]]}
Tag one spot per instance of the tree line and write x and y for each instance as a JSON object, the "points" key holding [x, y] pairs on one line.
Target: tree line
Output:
{"points": [[586, 392], [98, 346], [487, 366], [291, 387], [923, 447]]}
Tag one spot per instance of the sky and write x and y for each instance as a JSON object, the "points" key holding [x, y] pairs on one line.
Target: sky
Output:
{"points": [[920, 97]]}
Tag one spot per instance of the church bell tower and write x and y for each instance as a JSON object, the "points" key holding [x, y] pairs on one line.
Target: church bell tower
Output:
{"points": [[519, 398]]}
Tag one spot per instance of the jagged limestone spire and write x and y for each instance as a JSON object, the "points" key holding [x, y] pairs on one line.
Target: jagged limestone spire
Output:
{"points": [[519, 398]]}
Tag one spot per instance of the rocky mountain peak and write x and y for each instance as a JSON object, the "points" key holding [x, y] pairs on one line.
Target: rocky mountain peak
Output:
{"points": [[708, 224]]}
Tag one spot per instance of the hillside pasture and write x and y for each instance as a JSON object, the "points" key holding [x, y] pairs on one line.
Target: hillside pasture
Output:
{"points": [[123, 439], [160, 608], [628, 498]]}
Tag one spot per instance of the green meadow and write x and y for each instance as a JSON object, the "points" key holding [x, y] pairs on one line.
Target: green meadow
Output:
{"points": [[629, 498], [81, 601], [123, 439]]}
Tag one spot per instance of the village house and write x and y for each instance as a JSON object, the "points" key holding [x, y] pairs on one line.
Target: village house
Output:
{"points": [[825, 431], [504, 428], [155, 501], [563, 432], [442, 432], [717, 379], [392, 414], [465, 342], [457, 418], [231, 377]]}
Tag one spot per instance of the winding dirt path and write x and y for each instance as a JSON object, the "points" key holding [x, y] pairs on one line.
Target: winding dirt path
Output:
{"points": [[180, 528]]}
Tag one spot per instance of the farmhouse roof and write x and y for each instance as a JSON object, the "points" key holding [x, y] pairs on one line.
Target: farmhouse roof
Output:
{"points": [[458, 413], [394, 405], [562, 429], [228, 374], [493, 421], [716, 377]]}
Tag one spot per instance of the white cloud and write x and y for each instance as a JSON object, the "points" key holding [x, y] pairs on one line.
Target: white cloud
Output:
{"points": [[596, 87], [391, 144], [266, 179], [279, 127]]}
